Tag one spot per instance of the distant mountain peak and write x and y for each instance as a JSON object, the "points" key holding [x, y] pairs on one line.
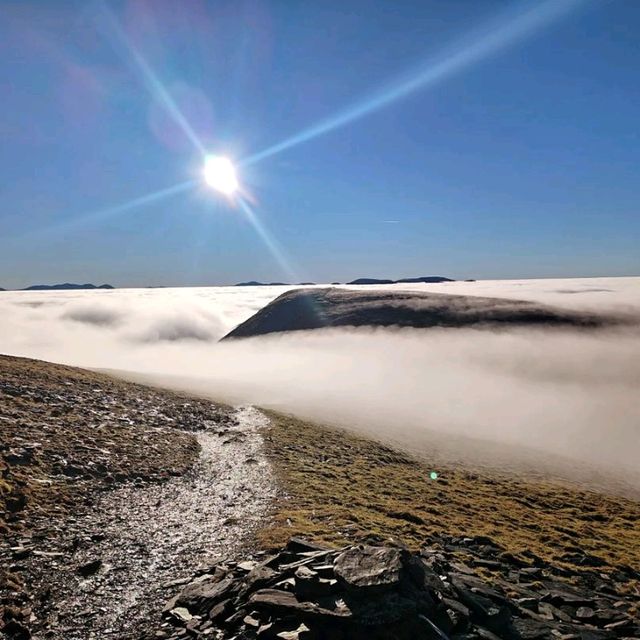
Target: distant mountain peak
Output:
{"points": [[66, 286], [255, 283], [403, 280]]}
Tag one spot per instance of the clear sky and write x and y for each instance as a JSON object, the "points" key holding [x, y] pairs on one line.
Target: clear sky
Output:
{"points": [[467, 138]]}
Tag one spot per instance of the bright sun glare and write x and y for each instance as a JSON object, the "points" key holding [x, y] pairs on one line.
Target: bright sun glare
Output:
{"points": [[220, 174]]}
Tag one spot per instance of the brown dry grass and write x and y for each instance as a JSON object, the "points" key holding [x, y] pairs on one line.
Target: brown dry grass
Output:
{"points": [[68, 415], [340, 487]]}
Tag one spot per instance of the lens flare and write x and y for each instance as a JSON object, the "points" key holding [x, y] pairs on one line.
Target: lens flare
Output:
{"points": [[71, 223], [153, 83], [269, 241], [480, 45], [220, 174]]}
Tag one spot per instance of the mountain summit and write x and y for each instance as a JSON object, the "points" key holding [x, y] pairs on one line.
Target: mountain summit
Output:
{"points": [[67, 286]]}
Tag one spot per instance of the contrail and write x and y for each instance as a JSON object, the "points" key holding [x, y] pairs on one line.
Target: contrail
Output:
{"points": [[498, 37]]}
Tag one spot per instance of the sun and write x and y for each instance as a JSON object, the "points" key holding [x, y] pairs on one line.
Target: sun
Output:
{"points": [[220, 174]]}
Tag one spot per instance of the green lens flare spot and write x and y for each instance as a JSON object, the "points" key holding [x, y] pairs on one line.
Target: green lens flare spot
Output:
{"points": [[433, 475]]}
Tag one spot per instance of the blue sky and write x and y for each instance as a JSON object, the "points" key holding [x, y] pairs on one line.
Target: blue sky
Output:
{"points": [[521, 159]]}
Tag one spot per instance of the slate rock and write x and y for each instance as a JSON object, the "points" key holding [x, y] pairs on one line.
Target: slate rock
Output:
{"points": [[220, 610], [528, 629], [181, 613], [371, 568], [200, 597], [285, 603], [309, 585], [423, 575], [261, 576], [297, 634], [300, 545], [380, 611]]}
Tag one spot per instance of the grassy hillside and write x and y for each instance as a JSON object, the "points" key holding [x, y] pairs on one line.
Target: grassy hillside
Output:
{"points": [[339, 487]]}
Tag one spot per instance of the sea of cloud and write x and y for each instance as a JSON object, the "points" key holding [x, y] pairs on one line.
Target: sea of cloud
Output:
{"points": [[571, 393]]}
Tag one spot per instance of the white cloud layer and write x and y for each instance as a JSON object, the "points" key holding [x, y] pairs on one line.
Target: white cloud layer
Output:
{"points": [[568, 393]]}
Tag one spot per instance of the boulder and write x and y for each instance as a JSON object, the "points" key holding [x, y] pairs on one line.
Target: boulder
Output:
{"points": [[370, 568], [200, 597]]}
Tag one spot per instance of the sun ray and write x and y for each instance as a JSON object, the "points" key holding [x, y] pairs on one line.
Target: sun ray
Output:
{"points": [[69, 224], [152, 82], [269, 241], [494, 38]]}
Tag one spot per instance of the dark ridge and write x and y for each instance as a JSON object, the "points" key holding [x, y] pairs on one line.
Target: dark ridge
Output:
{"points": [[255, 283], [371, 281], [402, 280], [65, 287], [426, 279], [304, 309]]}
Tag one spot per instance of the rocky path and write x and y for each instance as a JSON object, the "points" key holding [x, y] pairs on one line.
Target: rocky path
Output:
{"points": [[112, 495], [141, 542]]}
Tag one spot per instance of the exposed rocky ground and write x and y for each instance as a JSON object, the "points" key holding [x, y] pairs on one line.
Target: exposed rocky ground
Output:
{"points": [[304, 309], [374, 592], [119, 501], [109, 490], [342, 489]]}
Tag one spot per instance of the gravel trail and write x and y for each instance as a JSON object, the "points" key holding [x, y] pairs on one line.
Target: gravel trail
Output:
{"points": [[147, 540]]}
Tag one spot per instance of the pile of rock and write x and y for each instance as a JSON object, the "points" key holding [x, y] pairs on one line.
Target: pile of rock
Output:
{"points": [[381, 592]]}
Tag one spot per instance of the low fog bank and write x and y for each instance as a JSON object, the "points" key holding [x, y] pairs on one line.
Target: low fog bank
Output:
{"points": [[565, 394], [562, 392], [614, 295]]}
